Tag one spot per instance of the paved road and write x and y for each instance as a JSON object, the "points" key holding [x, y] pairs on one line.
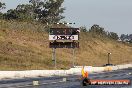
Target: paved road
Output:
{"points": [[72, 81]]}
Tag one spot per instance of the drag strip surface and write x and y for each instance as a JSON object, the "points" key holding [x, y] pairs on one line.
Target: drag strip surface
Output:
{"points": [[72, 81]]}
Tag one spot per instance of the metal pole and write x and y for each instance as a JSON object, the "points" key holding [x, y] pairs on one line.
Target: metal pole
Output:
{"points": [[73, 64], [109, 58], [54, 57]]}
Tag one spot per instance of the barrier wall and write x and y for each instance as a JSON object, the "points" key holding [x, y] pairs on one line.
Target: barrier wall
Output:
{"points": [[72, 71]]}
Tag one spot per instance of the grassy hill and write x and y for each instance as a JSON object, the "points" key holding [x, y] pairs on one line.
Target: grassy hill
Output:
{"points": [[22, 48]]}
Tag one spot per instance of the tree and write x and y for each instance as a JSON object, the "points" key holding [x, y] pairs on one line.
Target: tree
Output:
{"points": [[2, 5], [130, 36], [96, 29], [24, 12], [11, 14], [113, 35], [126, 38], [47, 11], [123, 36], [83, 29]]}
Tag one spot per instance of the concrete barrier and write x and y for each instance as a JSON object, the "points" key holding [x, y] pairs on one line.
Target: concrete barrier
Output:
{"points": [[108, 68], [114, 67], [124, 66], [72, 71]]}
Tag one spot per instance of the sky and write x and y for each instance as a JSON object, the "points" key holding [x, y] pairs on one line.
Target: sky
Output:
{"points": [[112, 15]]}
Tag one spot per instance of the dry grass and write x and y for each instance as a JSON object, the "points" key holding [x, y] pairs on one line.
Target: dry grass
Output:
{"points": [[22, 48]]}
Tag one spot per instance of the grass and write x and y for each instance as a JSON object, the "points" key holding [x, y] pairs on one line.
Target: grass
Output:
{"points": [[24, 46]]}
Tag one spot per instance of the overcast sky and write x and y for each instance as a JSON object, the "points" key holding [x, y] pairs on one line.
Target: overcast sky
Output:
{"points": [[113, 15]]}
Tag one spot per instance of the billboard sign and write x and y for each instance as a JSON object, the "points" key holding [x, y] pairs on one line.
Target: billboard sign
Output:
{"points": [[64, 44], [64, 31], [63, 37]]}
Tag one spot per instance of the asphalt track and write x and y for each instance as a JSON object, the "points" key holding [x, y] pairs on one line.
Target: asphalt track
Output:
{"points": [[73, 81]]}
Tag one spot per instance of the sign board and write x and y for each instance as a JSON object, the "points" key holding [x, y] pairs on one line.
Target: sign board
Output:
{"points": [[64, 31], [63, 37], [64, 44]]}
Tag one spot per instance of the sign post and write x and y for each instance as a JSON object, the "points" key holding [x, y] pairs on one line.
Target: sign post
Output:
{"points": [[73, 63], [54, 57], [57, 34]]}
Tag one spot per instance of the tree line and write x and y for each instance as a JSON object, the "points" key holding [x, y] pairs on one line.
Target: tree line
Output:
{"points": [[126, 38], [44, 11], [100, 31]]}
